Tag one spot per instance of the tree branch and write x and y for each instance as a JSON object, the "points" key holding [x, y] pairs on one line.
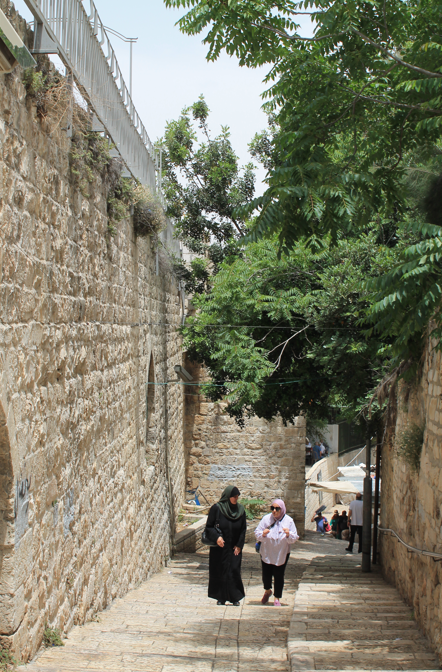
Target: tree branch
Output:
{"points": [[285, 343], [388, 53], [391, 102], [293, 38]]}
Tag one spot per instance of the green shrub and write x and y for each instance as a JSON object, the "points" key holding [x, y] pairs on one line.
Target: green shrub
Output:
{"points": [[253, 507], [89, 155], [120, 199], [34, 81], [149, 216], [409, 443], [7, 661], [52, 637]]}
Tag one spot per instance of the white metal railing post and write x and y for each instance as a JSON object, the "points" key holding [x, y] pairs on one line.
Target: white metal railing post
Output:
{"points": [[64, 27]]}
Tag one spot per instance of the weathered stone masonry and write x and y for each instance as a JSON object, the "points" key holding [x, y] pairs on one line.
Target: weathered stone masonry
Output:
{"points": [[84, 503], [412, 502], [265, 459]]}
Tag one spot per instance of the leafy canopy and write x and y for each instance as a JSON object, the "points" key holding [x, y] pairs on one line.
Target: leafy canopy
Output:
{"points": [[351, 101], [203, 185], [284, 335], [354, 137]]}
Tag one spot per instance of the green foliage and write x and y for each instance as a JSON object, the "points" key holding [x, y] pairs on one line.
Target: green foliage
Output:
{"points": [[375, 75], [252, 507], [203, 185], [410, 442], [89, 156], [52, 637], [121, 197], [354, 138], [7, 661], [34, 81], [282, 335], [149, 216]]}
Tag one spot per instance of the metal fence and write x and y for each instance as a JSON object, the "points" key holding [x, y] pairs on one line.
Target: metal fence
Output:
{"points": [[80, 39]]}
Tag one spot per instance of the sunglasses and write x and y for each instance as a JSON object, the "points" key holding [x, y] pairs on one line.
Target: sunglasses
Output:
{"points": [[275, 508]]}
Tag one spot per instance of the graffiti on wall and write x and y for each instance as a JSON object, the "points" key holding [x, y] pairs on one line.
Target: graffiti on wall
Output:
{"points": [[21, 506]]}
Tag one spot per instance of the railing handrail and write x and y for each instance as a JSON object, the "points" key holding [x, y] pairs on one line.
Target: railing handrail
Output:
{"points": [[420, 551], [80, 38]]}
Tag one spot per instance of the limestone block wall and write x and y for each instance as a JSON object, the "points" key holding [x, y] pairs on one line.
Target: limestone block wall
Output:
{"points": [[411, 503], [265, 459], [85, 323]]}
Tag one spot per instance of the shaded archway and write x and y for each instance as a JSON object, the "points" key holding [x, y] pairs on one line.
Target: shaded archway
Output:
{"points": [[151, 433], [7, 531]]}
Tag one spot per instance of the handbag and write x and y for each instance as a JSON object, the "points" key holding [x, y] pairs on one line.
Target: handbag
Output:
{"points": [[258, 543], [205, 539]]}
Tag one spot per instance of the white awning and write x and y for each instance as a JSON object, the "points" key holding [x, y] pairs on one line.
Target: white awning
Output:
{"points": [[340, 487], [352, 472]]}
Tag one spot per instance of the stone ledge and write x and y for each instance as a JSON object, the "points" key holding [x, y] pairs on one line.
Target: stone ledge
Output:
{"points": [[189, 540]]}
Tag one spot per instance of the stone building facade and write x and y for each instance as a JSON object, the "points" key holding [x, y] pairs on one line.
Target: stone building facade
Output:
{"points": [[89, 451], [411, 501], [264, 459]]}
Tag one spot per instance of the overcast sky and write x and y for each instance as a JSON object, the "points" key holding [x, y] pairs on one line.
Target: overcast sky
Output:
{"points": [[171, 71]]}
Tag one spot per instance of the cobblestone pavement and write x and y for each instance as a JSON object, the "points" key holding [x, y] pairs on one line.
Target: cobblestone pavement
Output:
{"points": [[169, 624]]}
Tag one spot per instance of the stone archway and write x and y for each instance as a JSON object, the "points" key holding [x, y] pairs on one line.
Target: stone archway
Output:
{"points": [[151, 429], [7, 532]]}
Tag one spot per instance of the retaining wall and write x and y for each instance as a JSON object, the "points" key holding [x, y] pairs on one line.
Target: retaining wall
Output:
{"points": [[85, 322], [411, 501], [264, 459]]}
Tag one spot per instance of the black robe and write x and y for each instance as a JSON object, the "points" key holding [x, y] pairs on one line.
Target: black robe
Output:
{"points": [[225, 582]]}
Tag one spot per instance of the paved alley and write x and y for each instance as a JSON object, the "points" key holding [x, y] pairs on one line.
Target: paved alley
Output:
{"points": [[343, 620]]}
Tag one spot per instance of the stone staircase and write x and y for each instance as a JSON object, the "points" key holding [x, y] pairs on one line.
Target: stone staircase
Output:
{"points": [[333, 618], [346, 620]]}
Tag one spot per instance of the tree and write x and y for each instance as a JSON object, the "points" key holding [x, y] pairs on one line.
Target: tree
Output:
{"points": [[358, 110], [284, 335], [351, 101], [204, 185]]}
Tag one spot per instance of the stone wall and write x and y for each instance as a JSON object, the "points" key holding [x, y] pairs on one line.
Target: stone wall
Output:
{"points": [[411, 502], [85, 444], [264, 460]]}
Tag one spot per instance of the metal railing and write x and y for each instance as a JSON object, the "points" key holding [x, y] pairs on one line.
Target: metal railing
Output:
{"points": [[412, 549], [84, 46]]}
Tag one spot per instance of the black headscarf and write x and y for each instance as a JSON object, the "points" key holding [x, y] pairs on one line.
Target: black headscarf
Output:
{"points": [[229, 510]]}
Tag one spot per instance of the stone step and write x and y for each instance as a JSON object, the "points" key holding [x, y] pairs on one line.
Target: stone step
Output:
{"points": [[344, 626]]}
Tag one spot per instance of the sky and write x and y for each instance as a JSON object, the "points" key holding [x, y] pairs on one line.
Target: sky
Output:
{"points": [[170, 72]]}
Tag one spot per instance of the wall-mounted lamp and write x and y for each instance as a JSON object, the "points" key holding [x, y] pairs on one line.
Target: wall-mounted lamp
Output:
{"points": [[182, 373], [12, 49]]}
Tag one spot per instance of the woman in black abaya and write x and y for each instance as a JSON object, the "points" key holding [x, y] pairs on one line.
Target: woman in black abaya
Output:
{"points": [[225, 584]]}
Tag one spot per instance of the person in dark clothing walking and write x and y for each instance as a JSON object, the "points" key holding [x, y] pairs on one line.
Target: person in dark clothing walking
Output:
{"points": [[342, 524], [225, 583]]}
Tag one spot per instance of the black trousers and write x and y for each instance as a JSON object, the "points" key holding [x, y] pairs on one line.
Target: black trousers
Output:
{"points": [[353, 530], [270, 572]]}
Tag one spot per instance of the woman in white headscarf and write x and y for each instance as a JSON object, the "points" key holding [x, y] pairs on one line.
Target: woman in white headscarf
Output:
{"points": [[276, 532]]}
